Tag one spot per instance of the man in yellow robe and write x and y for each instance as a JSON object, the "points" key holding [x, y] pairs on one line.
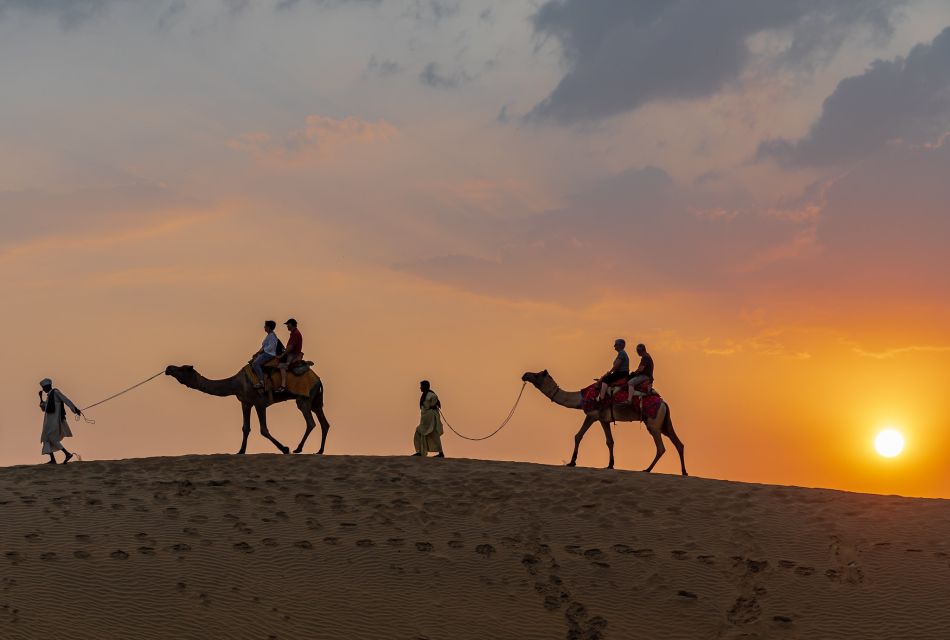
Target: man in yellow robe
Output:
{"points": [[428, 435]]}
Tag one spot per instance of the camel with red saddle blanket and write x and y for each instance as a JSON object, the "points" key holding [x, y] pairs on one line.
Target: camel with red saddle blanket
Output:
{"points": [[651, 409]]}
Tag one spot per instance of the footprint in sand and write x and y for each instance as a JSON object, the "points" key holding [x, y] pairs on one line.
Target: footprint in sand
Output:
{"points": [[243, 547], [485, 550], [119, 554], [313, 524], [190, 531], [707, 559], [679, 554], [804, 571], [303, 544], [79, 554], [689, 595], [13, 557], [270, 542], [424, 546], [181, 547], [331, 540], [456, 544], [787, 564], [396, 542], [49, 555], [364, 543], [146, 551]]}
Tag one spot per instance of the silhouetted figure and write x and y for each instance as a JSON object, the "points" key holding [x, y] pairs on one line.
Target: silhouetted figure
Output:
{"points": [[619, 370], [643, 373], [428, 435], [55, 427]]}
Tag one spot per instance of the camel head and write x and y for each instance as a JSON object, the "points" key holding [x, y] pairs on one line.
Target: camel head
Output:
{"points": [[535, 378], [184, 374]]}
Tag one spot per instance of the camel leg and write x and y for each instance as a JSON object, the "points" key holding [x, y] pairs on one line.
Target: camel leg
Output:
{"points": [[262, 418], [588, 421], [246, 409], [304, 405], [655, 428], [671, 434], [324, 427], [610, 442], [660, 449]]}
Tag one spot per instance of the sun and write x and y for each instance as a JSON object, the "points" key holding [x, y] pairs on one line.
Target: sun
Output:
{"points": [[889, 443]]}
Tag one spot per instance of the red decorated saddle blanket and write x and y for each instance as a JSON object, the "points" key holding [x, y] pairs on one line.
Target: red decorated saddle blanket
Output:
{"points": [[649, 405]]}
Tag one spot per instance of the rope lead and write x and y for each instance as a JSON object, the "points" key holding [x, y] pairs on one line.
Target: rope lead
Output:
{"points": [[511, 414], [113, 396]]}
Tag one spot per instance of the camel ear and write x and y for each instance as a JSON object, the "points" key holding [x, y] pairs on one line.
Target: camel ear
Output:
{"points": [[188, 367], [545, 373]]}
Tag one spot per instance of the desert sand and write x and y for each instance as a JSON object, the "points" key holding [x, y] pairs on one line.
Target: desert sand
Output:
{"points": [[270, 546]]}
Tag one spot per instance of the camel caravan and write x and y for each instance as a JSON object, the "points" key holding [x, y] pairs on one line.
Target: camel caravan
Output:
{"points": [[278, 373]]}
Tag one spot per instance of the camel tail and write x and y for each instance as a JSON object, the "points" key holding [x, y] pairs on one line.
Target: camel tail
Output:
{"points": [[670, 433]]}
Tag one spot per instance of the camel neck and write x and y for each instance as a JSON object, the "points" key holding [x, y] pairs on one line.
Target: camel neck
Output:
{"points": [[227, 387], [557, 395]]}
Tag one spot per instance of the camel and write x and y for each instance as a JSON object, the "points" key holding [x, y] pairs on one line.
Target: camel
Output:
{"points": [[660, 426], [239, 385]]}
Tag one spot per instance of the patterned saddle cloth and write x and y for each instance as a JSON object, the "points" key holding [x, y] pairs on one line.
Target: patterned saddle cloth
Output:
{"points": [[649, 404]]}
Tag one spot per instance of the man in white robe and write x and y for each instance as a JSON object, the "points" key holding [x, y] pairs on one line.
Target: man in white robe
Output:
{"points": [[55, 427]]}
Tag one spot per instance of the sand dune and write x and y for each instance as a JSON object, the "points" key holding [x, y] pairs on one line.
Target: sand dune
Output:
{"points": [[270, 546]]}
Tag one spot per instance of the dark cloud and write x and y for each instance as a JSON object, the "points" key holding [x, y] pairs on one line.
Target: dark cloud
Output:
{"points": [[433, 76], [382, 67], [622, 54], [74, 12], [904, 98], [69, 12]]}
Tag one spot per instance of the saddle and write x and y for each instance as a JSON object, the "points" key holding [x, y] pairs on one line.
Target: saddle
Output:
{"points": [[300, 376], [648, 404]]}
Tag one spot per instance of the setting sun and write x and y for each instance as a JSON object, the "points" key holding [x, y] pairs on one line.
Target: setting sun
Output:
{"points": [[889, 443]]}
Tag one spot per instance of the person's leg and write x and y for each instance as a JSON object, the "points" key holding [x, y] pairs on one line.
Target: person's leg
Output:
{"points": [[68, 455], [258, 366], [283, 375], [52, 460], [632, 388]]}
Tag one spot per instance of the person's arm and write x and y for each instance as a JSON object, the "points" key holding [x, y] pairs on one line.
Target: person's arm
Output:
{"points": [[69, 403], [42, 402]]}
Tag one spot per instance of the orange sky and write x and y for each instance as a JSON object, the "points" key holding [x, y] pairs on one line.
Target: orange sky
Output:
{"points": [[436, 222]]}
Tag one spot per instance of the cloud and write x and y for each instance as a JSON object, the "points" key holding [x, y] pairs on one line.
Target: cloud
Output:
{"points": [[904, 98], [320, 137], [432, 76], [74, 12], [382, 68], [900, 351], [638, 231], [70, 12], [31, 217], [623, 54]]}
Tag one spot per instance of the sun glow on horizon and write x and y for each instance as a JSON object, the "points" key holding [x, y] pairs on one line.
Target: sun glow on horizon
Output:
{"points": [[889, 443]]}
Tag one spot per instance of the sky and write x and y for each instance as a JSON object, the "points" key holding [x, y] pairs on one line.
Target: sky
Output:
{"points": [[462, 192]]}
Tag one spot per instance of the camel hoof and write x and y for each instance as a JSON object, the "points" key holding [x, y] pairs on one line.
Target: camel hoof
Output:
{"points": [[571, 464], [285, 450], [609, 466], [298, 449], [319, 453]]}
